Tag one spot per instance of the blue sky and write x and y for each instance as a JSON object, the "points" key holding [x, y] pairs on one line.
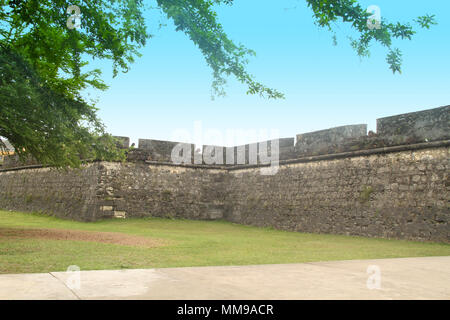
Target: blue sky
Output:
{"points": [[168, 88]]}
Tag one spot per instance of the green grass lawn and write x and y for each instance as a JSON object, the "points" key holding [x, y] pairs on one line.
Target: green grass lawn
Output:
{"points": [[188, 243]]}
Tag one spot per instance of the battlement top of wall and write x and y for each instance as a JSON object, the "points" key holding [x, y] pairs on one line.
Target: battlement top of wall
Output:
{"points": [[403, 129], [420, 126], [124, 142], [409, 128], [434, 112], [333, 134], [345, 130]]}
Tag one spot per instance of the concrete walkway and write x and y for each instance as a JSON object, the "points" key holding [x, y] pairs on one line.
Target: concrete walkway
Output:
{"points": [[410, 278]]}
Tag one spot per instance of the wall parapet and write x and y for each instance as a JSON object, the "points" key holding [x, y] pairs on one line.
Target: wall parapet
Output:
{"points": [[405, 129], [427, 125], [318, 140]]}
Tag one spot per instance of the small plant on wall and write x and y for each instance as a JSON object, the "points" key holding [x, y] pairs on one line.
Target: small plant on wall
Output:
{"points": [[364, 197]]}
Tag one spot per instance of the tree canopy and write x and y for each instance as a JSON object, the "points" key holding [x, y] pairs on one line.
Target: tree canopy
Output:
{"points": [[46, 124], [44, 63]]}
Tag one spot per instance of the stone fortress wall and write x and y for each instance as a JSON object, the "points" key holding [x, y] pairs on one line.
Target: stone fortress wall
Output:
{"points": [[393, 183]]}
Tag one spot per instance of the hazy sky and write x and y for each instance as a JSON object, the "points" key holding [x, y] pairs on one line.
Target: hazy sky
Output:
{"points": [[168, 88]]}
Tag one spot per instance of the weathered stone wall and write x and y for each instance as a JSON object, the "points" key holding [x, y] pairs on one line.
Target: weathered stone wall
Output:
{"points": [[67, 194], [421, 126], [256, 152], [157, 150], [391, 184], [138, 190], [106, 189], [399, 195], [123, 142], [212, 155], [313, 142]]}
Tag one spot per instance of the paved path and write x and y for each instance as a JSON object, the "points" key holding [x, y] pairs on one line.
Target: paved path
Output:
{"points": [[410, 278]]}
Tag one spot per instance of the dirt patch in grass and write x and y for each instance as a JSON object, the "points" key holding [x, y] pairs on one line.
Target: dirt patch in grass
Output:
{"points": [[79, 235]]}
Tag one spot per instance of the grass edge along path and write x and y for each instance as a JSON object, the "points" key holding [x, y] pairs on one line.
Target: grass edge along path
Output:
{"points": [[185, 243]]}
